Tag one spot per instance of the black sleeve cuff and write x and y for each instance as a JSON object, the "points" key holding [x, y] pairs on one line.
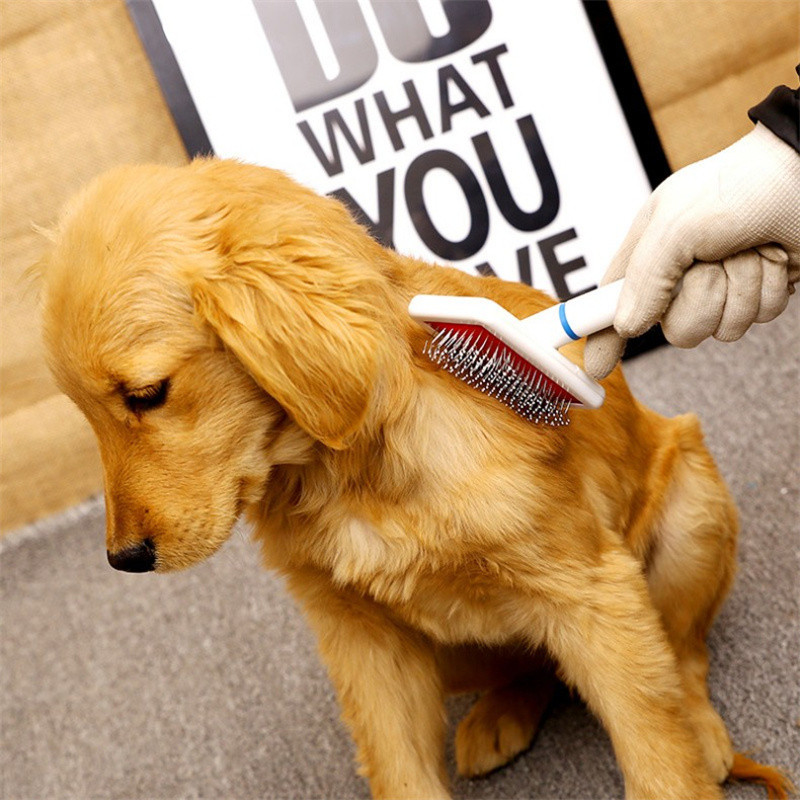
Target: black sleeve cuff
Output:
{"points": [[780, 112]]}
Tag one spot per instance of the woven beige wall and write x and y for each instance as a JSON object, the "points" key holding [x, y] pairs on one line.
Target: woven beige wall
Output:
{"points": [[78, 96], [703, 63]]}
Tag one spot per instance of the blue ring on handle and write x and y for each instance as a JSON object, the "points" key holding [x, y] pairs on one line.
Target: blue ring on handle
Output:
{"points": [[562, 315]]}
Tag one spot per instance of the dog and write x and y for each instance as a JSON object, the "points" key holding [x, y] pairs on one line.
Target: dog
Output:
{"points": [[240, 344]]}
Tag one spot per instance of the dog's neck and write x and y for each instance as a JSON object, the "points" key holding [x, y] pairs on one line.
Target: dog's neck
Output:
{"points": [[422, 443], [426, 439]]}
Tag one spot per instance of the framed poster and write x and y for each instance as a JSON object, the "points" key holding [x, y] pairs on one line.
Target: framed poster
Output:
{"points": [[502, 137]]}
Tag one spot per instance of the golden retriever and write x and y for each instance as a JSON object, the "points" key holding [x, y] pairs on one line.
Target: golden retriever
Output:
{"points": [[239, 343]]}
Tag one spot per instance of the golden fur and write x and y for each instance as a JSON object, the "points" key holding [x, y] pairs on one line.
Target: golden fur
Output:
{"points": [[436, 541]]}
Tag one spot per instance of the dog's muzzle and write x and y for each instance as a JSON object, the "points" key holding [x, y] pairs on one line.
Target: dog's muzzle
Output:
{"points": [[138, 558]]}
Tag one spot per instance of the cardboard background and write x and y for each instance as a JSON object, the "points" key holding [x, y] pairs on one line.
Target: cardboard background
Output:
{"points": [[78, 96]]}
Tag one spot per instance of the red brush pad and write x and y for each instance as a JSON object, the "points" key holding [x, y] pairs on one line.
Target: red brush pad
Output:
{"points": [[487, 342]]}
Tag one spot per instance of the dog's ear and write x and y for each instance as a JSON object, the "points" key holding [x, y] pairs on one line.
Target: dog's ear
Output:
{"points": [[301, 312]]}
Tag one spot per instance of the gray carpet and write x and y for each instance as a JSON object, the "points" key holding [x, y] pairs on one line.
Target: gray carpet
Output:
{"points": [[206, 684]]}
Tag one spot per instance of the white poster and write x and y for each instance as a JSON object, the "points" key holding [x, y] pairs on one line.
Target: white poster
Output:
{"points": [[480, 133]]}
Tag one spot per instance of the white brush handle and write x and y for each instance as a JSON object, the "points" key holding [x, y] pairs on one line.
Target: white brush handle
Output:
{"points": [[583, 315], [592, 311]]}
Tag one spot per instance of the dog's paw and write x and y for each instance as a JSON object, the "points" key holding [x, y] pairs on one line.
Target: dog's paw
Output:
{"points": [[500, 726], [715, 743]]}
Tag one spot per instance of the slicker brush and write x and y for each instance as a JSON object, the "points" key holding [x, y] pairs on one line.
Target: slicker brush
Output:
{"points": [[515, 360]]}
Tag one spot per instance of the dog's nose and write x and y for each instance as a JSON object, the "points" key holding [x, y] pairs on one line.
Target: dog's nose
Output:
{"points": [[137, 558]]}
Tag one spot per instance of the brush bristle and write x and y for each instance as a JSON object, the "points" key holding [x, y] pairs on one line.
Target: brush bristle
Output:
{"points": [[480, 359]]}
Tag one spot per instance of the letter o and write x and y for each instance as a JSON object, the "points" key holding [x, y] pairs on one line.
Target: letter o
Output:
{"points": [[478, 210]]}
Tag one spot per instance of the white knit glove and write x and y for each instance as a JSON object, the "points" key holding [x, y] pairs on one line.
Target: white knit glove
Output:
{"points": [[734, 218]]}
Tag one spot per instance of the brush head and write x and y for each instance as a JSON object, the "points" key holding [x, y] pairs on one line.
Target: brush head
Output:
{"points": [[488, 348], [480, 359]]}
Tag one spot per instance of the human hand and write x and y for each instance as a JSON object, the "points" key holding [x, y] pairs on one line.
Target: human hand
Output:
{"points": [[730, 227]]}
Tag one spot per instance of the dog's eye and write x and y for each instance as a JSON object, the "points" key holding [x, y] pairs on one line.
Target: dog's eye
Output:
{"points": [[148, 397]]}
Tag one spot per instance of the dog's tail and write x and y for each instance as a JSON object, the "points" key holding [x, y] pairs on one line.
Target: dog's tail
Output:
{"points": [[778, 785]]}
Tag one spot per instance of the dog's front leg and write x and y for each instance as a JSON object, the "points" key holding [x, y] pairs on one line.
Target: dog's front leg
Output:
{"points": [[388, 685], [609, 643]]}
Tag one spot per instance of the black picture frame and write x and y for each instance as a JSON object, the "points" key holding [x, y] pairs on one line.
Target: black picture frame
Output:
{"points": [[609, 39]]}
